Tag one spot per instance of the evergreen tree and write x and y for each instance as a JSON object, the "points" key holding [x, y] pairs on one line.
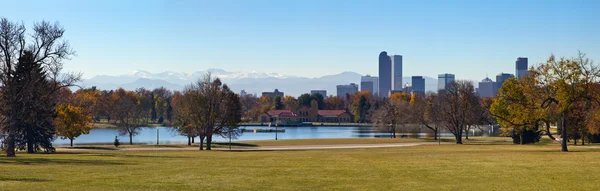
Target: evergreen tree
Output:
{"points": [[37, 105]]}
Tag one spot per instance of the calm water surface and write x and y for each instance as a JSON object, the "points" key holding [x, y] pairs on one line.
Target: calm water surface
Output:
{"points": [[168, 135]]}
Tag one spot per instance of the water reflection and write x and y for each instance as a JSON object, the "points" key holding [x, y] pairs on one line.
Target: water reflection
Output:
{"points": [[168, 135]]}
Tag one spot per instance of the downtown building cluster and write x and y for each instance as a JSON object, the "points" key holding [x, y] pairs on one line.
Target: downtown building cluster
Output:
{"points": [[390, 81]]}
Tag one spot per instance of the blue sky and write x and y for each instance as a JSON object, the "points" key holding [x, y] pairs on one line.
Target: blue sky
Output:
{"points": [[316, 37]]}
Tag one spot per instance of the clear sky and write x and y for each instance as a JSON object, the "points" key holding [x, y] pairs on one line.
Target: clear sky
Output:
{"points": [[316, 37]]}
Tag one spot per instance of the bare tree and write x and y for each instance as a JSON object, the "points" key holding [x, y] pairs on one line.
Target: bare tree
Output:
{"points": [[457, 107]]}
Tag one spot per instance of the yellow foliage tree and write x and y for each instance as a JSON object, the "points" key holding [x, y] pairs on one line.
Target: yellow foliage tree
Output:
{"points": [[72, 121]]}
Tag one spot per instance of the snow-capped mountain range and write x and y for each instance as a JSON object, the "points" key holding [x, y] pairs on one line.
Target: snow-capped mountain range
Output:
{"points": [[252, 82]]}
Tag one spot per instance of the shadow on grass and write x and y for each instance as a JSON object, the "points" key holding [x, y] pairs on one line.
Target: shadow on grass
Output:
{"points": [[47, 161], [94, 148], [236, 144], [22, 179]]}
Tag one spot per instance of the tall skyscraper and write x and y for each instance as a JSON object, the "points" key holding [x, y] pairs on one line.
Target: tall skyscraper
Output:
{"points": [[521, 67], [500, 78], [342, 90], [418, 84], [385, 74], [373, 80], [444, 80], [487, 88], [397, 72]]}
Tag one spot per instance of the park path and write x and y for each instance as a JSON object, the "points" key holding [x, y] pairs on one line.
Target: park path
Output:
{"points": [[265, 148]]}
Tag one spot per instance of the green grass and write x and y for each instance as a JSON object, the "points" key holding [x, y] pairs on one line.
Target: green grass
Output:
{"points": [[473, 166]]}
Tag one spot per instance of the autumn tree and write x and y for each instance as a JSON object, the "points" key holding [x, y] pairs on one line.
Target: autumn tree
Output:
{"points": [[277, 104], [425, 111], [211, 108], [391, 115], [290, 103], [516, 108], [72, 121], [333, 103], [129, 112], [185, 118]]}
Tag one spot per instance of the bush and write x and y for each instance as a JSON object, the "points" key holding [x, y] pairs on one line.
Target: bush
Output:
{"points": [[529, 136], [595, 138], [117, 143]]}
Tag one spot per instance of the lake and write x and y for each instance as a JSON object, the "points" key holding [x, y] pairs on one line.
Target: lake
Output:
{"points": [[168, 135]]}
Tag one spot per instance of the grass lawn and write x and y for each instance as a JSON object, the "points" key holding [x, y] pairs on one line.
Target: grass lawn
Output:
{"points": [[473, 166]]}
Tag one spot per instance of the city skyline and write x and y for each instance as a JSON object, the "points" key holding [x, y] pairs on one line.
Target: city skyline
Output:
{"points": [[433, 37]]}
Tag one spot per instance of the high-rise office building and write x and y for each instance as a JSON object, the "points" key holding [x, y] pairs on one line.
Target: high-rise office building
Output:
{"points": [[396, 72], [367, 86], [342, 90], [385, 74], [487, 88], [373, 80], [444, 80], [521, 67], [500, 78], [418, 84], [322, 92]]}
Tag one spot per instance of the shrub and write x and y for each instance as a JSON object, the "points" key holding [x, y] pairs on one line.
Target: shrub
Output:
{"points": [[529, 136]]}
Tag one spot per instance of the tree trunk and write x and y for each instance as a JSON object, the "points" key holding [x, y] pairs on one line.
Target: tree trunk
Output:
{"points": [[548, 131], [130, 138], [208, 142], [575, 141], [521, 137], [71, 142], [194, 139], [201, 142], [458, 137], [10, 150], [435, 134], [564, 135], [189, 141], [30, 145], [582, 140], [467, 134]]}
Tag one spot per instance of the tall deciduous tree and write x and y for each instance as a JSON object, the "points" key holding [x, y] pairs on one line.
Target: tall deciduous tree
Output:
{"points": [[129, 113], [211, 108], [457, 106]]}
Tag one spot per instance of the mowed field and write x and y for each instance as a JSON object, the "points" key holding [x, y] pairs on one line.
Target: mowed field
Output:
{"points": [[472, 166]]}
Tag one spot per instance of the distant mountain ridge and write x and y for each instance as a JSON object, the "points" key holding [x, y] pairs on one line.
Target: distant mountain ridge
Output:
{"points": [[252, 82]]}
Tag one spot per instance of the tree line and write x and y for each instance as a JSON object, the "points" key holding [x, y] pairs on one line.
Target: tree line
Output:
{"points": [[37, 105], [561, 91]]}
